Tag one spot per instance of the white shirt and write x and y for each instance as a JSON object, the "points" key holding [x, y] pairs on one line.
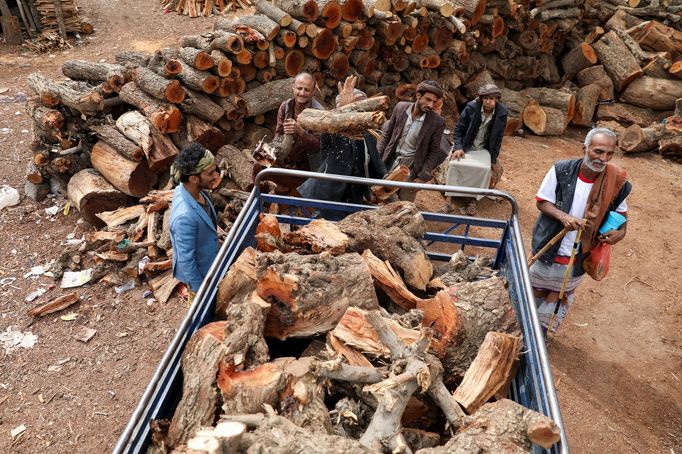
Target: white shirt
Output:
{"points": [[583, 187]]}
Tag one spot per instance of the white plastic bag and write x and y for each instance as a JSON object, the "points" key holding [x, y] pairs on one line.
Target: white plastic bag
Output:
{"points": [[8, 196]]}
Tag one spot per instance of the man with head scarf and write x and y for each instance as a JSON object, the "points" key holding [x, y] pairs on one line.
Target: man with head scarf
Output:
{"points": [[340, 155], [193, 221], [478, 138], [577, 193], [412, 137]]}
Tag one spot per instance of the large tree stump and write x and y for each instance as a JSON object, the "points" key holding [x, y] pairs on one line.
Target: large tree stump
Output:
{"points": [[392, 233], [115, 75], [86, 101], [502, 426], [619, 63], [267, 97], [310, 294], [165, 117], [90, 193], [653, 93], [129, 177]]}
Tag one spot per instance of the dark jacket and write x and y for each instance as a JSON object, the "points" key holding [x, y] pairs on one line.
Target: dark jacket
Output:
{"points": [[428, 153], [306, 146], [340, 155], [547, 227], [470, 121]]}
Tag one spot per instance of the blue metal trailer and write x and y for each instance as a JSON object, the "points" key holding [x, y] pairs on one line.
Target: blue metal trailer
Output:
{"points": [[532, 386]]}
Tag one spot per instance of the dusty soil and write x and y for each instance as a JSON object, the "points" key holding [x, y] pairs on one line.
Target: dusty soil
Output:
{"points": [[617, 360]]}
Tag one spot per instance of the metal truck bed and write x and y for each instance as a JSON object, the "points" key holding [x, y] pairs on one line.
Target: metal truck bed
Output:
{"points": [[532, 386]]}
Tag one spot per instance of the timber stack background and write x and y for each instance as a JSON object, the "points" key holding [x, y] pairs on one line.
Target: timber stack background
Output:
{"points": [[559, 64]]}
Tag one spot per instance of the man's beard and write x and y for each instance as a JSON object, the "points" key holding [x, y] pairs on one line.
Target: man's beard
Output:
{"points": [[590, 164]]}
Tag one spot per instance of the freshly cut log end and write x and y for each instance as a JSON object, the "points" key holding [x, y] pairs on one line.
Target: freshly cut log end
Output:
{"points": [[306, 10], [90, 193], [352, 10], [338, 65], [323, 44], [579, 58], [544, 121], [293, 62], [330, 14]]}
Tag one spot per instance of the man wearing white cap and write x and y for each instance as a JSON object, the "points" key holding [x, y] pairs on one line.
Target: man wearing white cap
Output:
{"points": [[478, 138]]}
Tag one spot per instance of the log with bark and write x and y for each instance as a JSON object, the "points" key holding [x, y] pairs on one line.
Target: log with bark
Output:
{"points": [[130, 177], [114, 75], [163, 116], [597, 75], [351, 124], [85, 100], [544, 121], [267, 97], [157, 86], [636, 139], [91, 194], [586, 104], [112, 137], [619, 63], [653, 93], [626, 114]]}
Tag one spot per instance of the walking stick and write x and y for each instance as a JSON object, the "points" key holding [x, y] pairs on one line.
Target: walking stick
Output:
{"points": [[546, 247], [567, 274]]}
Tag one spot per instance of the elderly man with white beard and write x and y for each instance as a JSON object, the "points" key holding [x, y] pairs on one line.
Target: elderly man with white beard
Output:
{"points": [[575, 194]]}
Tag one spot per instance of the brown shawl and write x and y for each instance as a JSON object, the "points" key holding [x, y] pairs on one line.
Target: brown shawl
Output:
{"points": [[603, 192]]}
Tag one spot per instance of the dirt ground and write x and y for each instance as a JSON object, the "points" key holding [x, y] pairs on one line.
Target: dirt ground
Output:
{"points": [[617, 360]]}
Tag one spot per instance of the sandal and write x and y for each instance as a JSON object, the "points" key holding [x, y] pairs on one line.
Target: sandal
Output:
{"points": [[446, 209], [469, 210]]}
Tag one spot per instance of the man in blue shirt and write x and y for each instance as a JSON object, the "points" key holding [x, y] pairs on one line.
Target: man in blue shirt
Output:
{"points": [[194, 221]]}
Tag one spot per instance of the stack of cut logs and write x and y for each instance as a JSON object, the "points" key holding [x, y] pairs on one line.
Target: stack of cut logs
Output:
{"points": [[354, 360], [130, 118], [62, 15]]}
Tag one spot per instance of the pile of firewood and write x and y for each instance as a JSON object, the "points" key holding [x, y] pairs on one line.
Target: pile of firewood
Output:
{"points": [[319, 331]]}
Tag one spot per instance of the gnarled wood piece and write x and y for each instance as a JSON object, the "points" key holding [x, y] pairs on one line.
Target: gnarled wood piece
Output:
{"points": [[235, 344], [239, 281], [352, 124], [392, 233], [87, 101], [502, 426], [309, 294], [619, 63]]}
